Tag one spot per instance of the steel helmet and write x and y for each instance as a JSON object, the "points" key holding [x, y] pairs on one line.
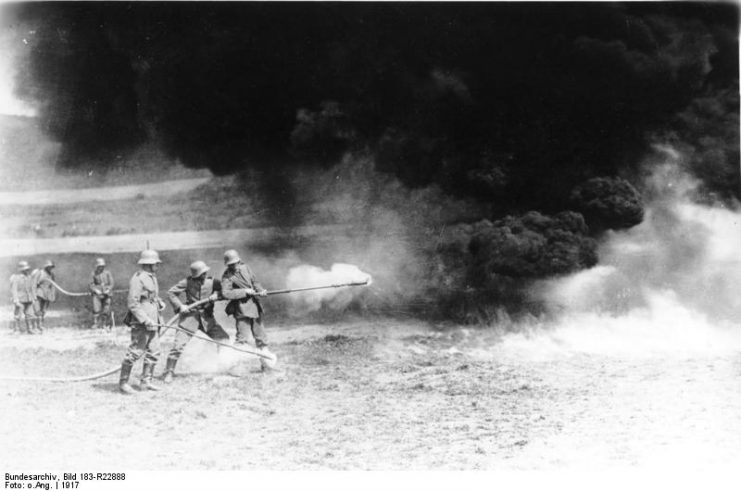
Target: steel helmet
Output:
{"points": [[149, 256], [198, 268], [231, 257], [23, 265], [49, 264], [99, 262]]}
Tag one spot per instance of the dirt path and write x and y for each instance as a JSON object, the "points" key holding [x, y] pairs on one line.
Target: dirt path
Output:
{"points": [[372, 394], [103, 193]]}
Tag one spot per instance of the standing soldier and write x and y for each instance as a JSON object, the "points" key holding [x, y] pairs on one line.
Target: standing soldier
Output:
{"points": [[197, 286], [23, 293], [101, 288], [46, 292], [239, 285], [144, 319]]}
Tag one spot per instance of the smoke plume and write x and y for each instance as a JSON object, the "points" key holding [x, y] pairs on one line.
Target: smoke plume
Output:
{"points": [[311, 276], [508, 102], [668, 285]]}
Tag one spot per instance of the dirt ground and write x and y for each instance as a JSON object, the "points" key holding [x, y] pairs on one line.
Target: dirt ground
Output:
{"points": [[379, 394]]}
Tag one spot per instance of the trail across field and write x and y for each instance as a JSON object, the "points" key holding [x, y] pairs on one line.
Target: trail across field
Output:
{"points": [[372, 394], [102, 193]]}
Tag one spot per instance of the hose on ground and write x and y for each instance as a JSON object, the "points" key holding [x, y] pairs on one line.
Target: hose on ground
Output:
{"points": [[106, 373]]}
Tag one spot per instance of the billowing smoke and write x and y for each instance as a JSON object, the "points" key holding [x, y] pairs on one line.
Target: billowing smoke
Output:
{"points": [[512, 103], [306, 276], [668, 285], [466, 156]]}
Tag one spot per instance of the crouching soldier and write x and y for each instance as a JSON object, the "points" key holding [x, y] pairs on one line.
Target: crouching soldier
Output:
{"points": [[46, 292], [239, 285], [196, 287], [101, 288], [145, 319], [23, 294]]}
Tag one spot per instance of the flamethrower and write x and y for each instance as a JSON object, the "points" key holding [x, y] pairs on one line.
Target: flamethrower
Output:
{"points": [[340, 285]]}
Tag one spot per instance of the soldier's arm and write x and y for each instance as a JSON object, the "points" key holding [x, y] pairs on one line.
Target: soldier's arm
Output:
{"points": [[230, 293], [136, 291], [173, 294], [36, 278], [256, 284], [93, 287], [215, 290]]}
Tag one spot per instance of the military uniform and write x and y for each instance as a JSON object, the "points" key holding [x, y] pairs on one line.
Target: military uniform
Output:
{"points": [[246, 309], [143, 317], [23, 294], [195, 289], [46, 293], [101, 287]]}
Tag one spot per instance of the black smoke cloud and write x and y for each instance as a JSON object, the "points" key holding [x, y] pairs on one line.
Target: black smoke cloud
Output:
{"points": [[512, 103], [539, 112]]}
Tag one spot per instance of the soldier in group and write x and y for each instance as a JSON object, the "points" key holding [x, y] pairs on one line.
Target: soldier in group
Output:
{"points": [[196, 287], [23, 293], [240, 286], [145, 319], [46, 292], [101, 288]]}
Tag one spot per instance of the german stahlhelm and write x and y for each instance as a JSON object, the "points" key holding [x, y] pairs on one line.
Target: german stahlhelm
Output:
{"points": [[99, 262], [231, 257], [198, 268], [149, 256], [23, 266], [49, 264]]}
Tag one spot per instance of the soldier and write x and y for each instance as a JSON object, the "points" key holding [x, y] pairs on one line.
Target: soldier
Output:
{"points": [[46, 292], [197, 286], [23, 293], [239, 285], [101, 288], [145, 319]]}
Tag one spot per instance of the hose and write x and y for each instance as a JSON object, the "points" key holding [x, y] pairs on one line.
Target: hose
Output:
{"points": [[106, 373], [73, 294], [267, 356]]}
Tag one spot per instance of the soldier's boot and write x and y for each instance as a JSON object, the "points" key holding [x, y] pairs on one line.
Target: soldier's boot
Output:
{"points": [[40, 324], [17, 326], [147, 374], [169, 370], [29, 329], [123, 382]]}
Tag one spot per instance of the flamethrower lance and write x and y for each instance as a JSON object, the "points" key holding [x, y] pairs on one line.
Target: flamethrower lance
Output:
{"points": [[340, 285]]}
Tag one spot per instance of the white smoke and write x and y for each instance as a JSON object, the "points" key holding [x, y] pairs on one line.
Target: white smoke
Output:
{"points": [[670, 285], [305, 276]]}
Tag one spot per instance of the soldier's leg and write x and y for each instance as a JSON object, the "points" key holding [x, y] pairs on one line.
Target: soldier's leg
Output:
{"points": [[96, 310], [106, 312], [182, 337], [29, 312], [243, 325], [136, 350], [151, 355], [41, 313], [17, 318], [258, 331], [214, 330], [261, 341]]}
